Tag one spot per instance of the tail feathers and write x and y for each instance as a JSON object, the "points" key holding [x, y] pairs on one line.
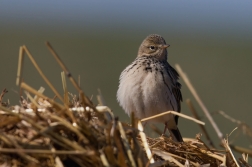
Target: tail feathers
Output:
{"points": [[175, 134]]}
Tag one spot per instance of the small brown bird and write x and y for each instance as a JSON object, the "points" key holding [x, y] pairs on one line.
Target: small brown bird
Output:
{"points": [[149, 85]]}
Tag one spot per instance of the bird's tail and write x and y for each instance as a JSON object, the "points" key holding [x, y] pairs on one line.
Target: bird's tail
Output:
{"points": [[175, 134]]}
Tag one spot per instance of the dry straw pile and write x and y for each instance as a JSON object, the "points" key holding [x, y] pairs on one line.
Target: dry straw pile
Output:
{"points": [[74, 132]]}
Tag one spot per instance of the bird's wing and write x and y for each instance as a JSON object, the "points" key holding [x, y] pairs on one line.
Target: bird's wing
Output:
{"points": [[175, 88]]}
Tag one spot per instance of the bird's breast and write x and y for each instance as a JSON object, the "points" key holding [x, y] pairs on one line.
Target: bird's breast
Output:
{"points": [[145, 88]]}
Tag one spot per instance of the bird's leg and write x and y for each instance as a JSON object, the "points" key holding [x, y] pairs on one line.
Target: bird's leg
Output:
{"points": [[165, 128], [144, 124]]}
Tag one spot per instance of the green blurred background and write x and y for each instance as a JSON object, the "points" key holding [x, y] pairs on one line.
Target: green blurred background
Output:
{"points": [[212, 41]]}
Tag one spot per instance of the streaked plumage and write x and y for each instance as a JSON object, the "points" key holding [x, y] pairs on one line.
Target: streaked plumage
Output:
{"points": [[149, 85]]}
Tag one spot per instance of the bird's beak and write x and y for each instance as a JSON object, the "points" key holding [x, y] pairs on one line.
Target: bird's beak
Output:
{"points": [[165, 46]]}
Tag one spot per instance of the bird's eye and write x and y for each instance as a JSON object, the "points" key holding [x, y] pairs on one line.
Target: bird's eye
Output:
{"points": [[152, 47]]}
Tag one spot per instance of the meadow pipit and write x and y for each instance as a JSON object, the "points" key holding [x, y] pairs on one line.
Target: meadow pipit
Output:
{"points": [[149, 85]]}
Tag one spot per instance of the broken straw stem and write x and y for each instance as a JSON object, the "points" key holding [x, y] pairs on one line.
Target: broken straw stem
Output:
{"points": [[174, 113], [203, 129], [197, 98]]}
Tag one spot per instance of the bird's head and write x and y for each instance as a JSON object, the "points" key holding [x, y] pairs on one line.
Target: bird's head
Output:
{"points": [[153, 45]]}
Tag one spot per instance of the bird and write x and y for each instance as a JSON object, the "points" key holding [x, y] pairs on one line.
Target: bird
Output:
{"points": [[150, 86]]}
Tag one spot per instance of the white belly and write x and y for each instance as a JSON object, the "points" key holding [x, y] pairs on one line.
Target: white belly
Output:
{"points": [[146, 93]]}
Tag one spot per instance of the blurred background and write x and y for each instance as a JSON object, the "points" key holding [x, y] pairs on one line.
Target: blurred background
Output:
{"points": [[211, 40]]}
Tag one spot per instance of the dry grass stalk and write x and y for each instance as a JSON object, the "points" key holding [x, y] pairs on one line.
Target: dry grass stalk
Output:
{"points": [[85, 100], [174, 113], [66, 98], [144, 142], [4, 91], [203, 129], [231, 159], [39, 71], [201, 104], [42, 132], [244, 128], [241, 150]]}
